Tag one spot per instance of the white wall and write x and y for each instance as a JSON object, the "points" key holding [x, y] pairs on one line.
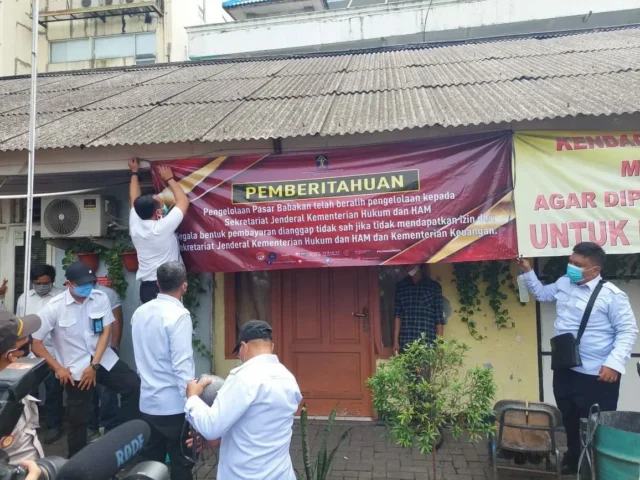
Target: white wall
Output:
{"points": [[15, 37], [404, 22]]}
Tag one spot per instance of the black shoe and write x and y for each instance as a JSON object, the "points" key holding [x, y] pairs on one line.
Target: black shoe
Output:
{"points": [[569, 466], [52, 436]]}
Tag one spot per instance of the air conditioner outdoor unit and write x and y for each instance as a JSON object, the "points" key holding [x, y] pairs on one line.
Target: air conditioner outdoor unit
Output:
{"points": [[75, 216]]}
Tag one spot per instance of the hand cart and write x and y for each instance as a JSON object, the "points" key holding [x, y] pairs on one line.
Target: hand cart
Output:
{"points": [[525, 432]]}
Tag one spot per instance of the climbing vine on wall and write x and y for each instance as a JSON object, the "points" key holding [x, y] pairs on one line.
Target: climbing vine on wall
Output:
{"points": [[191, 303], [466, 276], [499, 283]]}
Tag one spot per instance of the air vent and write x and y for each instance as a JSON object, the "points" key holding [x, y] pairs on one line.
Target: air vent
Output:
{"points": [[62, 217]]}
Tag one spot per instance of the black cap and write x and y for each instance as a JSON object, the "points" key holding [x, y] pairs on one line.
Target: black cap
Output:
{"points": [[253, 330], [13, 329], [80, 274]]}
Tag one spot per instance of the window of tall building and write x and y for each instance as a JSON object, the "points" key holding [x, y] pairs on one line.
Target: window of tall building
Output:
{"points": [[139, 45]]}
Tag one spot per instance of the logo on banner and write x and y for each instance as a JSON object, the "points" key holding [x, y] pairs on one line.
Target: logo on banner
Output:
{"points": [[322, 162]]}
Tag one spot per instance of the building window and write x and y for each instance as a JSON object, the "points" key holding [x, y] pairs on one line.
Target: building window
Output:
{"points": [[247, 297], [114, 47], [71, 51], [142, 46]]}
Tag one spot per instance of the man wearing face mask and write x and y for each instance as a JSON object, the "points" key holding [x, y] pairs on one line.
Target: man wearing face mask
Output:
{"points": [[15, 341], [418, 309], [153, 228], [604, 347], [162, 335], [43, 291], [252, 413], [79, 321]]}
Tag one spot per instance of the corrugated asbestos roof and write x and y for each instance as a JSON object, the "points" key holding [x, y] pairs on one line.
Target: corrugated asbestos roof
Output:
{"points": [[589, 73]]}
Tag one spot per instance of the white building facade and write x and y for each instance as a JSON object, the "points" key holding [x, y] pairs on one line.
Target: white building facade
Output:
{"points": [[352, 25]]}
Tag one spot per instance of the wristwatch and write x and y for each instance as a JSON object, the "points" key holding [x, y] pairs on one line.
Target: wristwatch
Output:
{"points": [[95, 366]]}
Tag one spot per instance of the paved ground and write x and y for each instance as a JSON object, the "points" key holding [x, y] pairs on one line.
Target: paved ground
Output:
{"points": [[367, 454]]}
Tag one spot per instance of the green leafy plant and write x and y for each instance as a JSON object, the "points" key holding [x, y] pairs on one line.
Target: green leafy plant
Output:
{"points": [[466, 277], [425, 388], [191, 303], [498, 281], [496, 276], [320, 469], [115, 272]]}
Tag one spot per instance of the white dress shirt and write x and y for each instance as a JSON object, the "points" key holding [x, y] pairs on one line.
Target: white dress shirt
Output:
{"points": [[253, 415], [35, 304], [23, 444], [162, 335], [611, 330], [71, 327], [114, 299], [156, 242]]}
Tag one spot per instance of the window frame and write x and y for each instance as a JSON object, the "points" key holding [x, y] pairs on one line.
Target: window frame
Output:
{"points": [[88, 41], [92, 47]]}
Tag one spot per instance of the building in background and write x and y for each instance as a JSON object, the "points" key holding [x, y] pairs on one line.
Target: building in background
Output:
{"points": [[252, 9], [285, 26], [86, 34]]}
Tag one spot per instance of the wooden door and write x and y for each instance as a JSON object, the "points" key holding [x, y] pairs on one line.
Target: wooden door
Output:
{"points": [[327, 339]]}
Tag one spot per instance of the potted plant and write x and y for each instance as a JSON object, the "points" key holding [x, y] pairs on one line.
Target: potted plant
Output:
{"points": [[320, 469], [128, 255], [425, 389], [86, 252]]}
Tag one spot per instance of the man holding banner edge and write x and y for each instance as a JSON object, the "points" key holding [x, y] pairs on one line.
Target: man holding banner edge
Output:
{"points": [[602, 313]]}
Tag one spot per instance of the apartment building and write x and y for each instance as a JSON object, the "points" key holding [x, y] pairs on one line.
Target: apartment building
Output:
{"points": [[86, 34]]}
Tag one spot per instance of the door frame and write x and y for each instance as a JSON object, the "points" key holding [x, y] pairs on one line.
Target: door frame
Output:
{"points": [[376, 350]]}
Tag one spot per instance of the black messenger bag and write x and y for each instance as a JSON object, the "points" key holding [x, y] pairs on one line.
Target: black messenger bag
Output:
{"points": [[565, 348]]}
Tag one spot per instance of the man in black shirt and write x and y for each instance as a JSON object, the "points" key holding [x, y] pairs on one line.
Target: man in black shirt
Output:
{"points": [[418, 308]]}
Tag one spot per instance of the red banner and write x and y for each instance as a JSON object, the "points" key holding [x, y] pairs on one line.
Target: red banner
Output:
{"points": [[445, 200]]}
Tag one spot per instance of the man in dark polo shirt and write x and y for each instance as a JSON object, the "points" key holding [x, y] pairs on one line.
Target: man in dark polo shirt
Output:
{"points": [[418, 308]]}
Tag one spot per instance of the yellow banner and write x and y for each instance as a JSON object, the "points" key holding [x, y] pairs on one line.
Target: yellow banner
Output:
{"points": [[572, 187]]}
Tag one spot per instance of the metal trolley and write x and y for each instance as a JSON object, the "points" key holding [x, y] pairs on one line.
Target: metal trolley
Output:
{"points": [[525, 433]]}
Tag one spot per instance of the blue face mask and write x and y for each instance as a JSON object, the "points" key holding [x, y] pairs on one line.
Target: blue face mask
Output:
{"points": [[165, 210], [83, 291], [575, 274]]}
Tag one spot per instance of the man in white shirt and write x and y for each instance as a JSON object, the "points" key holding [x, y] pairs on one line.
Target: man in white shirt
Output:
{"points": [[162, 335], [153, 228], [79, 321], [105, 410], [42, 279], [604, 348], [252, 413]]}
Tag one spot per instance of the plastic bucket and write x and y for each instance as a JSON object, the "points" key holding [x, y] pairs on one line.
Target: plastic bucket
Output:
{"points": [[616, 445]]}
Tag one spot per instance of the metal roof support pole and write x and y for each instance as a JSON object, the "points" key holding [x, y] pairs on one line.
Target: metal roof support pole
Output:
{"points": [[32, 150]]}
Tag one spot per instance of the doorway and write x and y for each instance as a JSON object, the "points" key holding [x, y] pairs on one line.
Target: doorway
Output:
{"points": [[327, 339]]}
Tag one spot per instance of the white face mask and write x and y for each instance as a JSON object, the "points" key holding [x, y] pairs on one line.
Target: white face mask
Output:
{"points": [[414, 270]]}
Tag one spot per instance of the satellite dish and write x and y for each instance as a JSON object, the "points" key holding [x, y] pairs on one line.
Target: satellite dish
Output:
{"points": [[62, 217], [211, 391]]}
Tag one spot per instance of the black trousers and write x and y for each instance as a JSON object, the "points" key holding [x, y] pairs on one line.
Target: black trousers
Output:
{"points": [[167, 437], [121, 379], [148, 291], [575, 394]]}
